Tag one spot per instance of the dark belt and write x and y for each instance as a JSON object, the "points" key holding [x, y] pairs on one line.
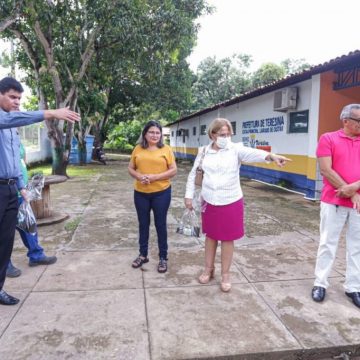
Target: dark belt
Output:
{"points": [[7, 181]]}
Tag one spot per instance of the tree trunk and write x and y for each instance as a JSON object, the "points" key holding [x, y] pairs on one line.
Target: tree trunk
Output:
{"points": [[56, 137], [82, 155], [58, 165], [55, 128]]}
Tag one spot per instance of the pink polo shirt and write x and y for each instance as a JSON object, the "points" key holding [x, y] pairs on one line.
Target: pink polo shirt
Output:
{"points": [[345, 154]]}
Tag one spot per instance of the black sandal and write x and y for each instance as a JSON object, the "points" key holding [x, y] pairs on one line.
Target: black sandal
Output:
{"points": [[162, 267], [139, 261]]}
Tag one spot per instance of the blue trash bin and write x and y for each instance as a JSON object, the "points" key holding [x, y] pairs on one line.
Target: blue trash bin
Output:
{"points": [[89, 147], [74, 153]]}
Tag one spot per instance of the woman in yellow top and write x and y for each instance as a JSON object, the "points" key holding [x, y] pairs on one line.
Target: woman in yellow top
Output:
{"points": [[152, 164]]}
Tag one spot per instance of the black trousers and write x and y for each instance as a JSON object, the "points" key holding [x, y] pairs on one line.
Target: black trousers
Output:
{"points": [[159, 203], [8, 219]]}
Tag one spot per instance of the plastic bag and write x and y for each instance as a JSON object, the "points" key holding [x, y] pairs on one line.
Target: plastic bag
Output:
{"points": [[197, 201], [189, 224], [34, 187], [26, 218]]}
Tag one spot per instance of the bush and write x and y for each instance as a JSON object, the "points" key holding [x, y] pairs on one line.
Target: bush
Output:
{"points": [[124, 136]]}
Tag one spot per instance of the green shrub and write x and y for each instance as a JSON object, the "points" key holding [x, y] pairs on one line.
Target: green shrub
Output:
{"points": [[124, 136]]}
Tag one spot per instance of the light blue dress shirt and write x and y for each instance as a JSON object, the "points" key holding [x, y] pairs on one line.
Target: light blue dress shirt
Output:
{"points": [[10, 142]]}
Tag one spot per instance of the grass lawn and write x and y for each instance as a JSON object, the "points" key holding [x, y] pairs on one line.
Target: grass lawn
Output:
{"points": [[72, 170]]}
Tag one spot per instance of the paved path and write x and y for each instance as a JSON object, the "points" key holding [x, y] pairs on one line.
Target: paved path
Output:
{"points": [[92, 305]]}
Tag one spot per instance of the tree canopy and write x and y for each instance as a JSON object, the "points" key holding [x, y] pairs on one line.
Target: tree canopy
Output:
{"points": [[219, 80], [267, 74], [121, 60], [293, 66], [101, 56], [216, 80]]}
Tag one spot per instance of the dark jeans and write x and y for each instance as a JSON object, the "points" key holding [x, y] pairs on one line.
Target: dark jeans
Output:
{"points": [[8, 219], [31, 241], [159, 203]]}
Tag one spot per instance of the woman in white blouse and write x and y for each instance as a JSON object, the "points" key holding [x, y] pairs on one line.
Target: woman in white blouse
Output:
{"points": [[223, 206]]}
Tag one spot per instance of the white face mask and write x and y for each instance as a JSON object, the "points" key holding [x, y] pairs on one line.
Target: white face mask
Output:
{"points": [[223, 142]]}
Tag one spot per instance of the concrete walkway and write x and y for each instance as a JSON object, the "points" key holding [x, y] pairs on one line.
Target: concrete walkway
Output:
{"points": [[92, 305]]}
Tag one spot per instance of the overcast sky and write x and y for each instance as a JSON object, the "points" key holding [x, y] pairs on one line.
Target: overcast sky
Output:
{"points": [[273, 30]]}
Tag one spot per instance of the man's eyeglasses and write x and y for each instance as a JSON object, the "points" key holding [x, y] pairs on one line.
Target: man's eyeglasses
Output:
{"points": [[357, 120]]}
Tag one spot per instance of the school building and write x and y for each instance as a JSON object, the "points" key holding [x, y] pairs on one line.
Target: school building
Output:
{"points": [[286, 117]]}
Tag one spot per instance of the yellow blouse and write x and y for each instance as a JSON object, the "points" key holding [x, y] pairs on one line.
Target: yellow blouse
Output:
{"points": [[148, 161]]}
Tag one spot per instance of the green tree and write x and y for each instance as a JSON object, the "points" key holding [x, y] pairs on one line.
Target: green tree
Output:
{"points": [[219, 80], [293, 66], [10, 11], [95, 56], [157, 74], [267, 74], [57, 60], [125, 134]]}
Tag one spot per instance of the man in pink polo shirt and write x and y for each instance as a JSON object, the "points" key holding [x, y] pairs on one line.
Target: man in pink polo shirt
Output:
{"points": [[338, 154]]}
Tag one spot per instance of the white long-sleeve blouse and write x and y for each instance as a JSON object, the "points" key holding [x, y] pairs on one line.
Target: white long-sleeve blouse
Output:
{"points": [[221, 182]]}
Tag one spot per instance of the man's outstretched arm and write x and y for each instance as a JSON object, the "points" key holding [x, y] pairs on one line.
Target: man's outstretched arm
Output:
{"points": [[22, 118], [61, 114]]}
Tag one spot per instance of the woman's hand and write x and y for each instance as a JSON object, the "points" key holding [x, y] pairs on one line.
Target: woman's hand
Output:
{"points": [[143, 179], [148, 178], [278, 159], [188, 203]]}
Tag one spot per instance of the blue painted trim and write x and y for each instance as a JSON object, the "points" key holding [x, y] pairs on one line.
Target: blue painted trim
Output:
{"points": [[296, 182], [180, 155]]}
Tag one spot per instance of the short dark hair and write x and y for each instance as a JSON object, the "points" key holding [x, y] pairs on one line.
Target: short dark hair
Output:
{"points": [[143, 142], [8, 83]]}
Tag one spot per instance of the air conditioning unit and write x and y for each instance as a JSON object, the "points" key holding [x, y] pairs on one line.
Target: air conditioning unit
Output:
{"points": [[285, 99]]}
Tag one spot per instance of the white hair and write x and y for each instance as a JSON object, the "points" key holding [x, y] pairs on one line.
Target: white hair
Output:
{"points": [[346, 112]]}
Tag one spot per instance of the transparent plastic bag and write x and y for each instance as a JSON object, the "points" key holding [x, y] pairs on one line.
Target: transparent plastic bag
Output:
{"points": [[197, 200], [189, 224], [26, 218], [34, 187]]}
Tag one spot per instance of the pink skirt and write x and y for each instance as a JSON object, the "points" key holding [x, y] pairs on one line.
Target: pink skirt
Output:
{"points": [[225, 222]]}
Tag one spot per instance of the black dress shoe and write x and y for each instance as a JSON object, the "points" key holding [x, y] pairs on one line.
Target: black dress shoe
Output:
{"points": [[45, 260], [318, 293], [355, 296], [6, 299]]}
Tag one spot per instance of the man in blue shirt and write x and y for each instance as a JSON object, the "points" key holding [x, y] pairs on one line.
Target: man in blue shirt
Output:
{"points": [[11, 179]]}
